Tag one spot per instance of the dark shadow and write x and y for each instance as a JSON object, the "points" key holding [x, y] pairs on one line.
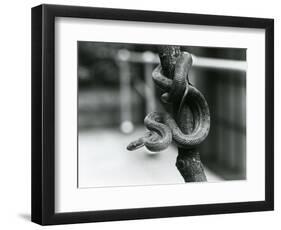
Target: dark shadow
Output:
{"points": [[25, 216]]}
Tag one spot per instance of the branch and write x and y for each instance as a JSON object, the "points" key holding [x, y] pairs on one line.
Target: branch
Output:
{"points": [[188, 160]]}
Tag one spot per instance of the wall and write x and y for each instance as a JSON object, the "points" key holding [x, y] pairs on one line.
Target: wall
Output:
{"points": [[15, 114]]}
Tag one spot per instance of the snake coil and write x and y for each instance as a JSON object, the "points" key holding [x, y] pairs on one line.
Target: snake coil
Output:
{"points": [[163, 128]]}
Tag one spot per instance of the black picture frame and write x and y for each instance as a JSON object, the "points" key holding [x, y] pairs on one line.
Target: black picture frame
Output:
{"points": [[43, 113]]}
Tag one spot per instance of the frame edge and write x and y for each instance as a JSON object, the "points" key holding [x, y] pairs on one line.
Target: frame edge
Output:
{"points": [[36, 114], [269, 114]]}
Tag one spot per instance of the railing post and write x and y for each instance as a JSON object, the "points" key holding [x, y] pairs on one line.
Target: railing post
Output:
{"points": [[125, 92]]}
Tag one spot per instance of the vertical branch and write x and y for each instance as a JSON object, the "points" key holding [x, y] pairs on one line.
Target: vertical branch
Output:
{"points": [[188, 160], [168, 56]]}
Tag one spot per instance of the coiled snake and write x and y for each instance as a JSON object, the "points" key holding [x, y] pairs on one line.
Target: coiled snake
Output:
{"points": [[163, 128]]}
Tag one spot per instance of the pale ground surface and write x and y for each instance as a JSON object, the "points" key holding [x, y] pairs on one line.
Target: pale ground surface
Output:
{"points": [[104, 161]]}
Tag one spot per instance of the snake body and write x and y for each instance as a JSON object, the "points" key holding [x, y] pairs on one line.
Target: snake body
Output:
{"points": [[163, 128]]}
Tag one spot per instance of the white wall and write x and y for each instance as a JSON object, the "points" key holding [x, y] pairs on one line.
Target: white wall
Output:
{"points": [[15, 114]]}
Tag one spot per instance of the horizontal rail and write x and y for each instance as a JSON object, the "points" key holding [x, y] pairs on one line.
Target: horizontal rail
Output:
{"points": [[203, 62]]}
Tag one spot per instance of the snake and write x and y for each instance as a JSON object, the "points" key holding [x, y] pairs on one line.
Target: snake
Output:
{"points": [[163, 128]]}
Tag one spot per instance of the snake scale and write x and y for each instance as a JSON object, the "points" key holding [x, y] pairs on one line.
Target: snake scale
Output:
{"points": [[163, 127]]}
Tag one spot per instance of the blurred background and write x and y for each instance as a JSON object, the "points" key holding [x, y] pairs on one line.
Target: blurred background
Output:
{"points": [[115, 94]]}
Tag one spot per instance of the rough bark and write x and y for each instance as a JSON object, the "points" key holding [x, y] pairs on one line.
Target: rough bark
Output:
{"points": [[188, 160]]}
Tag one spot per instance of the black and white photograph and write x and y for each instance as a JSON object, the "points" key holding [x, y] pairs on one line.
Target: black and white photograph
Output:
{"points": [[153, 114], [149, 114]]}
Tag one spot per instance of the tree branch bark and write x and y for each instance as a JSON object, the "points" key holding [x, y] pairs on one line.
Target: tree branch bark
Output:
{"points": [[188, 160]]}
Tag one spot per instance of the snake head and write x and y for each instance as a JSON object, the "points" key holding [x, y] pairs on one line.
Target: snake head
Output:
{"points": [[135, 144]]}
